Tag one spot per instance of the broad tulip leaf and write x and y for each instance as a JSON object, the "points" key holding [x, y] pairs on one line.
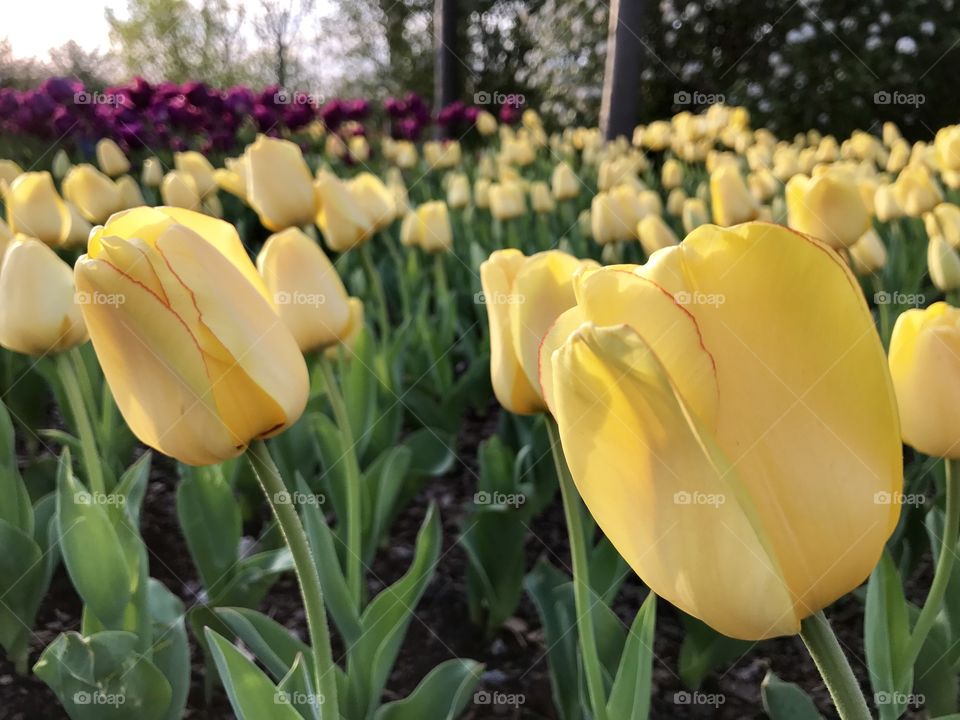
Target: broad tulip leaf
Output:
{"points": [[15, 508], [24, 579], [630, 693], [133, 486], [786, 701], [886, 627], [703, 650], [383, 483], [298, 691], [936, 680], [252, 695], [271, 643], [98, 565], [360, 385], [441, 695]]}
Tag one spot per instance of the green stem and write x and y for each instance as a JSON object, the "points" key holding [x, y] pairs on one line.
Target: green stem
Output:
{"points": [[273, 486], [397, 257], [376, 283], [78, 408], [581, 577], [354, 518], [941, 577], [817, 635]]}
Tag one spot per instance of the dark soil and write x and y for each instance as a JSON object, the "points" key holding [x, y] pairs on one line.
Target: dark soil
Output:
{"points": [[514, 659]]}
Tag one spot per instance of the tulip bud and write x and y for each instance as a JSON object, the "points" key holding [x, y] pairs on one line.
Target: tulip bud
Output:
{"points": [[111, 159], [192, 348], [405, 155], [359, 148], [614, 215], [507, 201], [891, 133], [38, 306], [61, 164], [179, 189], [441, 156], [334, 146], [675, 202], [924, 364], [486, 123], [458, 192], [564, 182], [671, 176], [342, 221], [35, 209], [279, 184], [916, 191], [947, 145], [349, 339], [541, 200], [731, 200], [79, 229], [694, 214], [943, 264], [306, 289], [481, 193], [828, 207], [374, 199], [944, 220], [9, 171], [152, 174], [655, 234], [885, 204], [130, 195], [868, 254], [199, 168], [95, 195], [433, 226]]}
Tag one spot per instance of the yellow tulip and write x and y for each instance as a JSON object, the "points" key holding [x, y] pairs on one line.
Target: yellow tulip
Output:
{"points": [[406, 155], [334, 146], [915, 190], [705, 395], [232, 177], [828, 207], [899, 156], [671, 176], [655, 234], [428, 227], [947, 146], [79, 229], [199, 168], [342, 221], [130, 194], [349, 337], [9, 171], [374, 200], [564, 183], [891, 133], [279, 184], [61, 164], [524, 296], [398, 190], [868, 255], [507, 201], [35, 209], [441, 155], [943, 264], [675, 202], [486, 123], [925, 365], [944, 220], [614, 215], [694, 214], [39, 313], [306, 289], [359, 148], [540, 198], [111, 159], [179, 189], [481, 193], [95, 195], [731, 200], [885, 204], [458, 191], [198, 360], [152, 173]]}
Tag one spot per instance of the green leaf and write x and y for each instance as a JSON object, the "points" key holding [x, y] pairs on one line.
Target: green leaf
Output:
{"points": [[15, 508], [386, 619], [360, 385], [431, 451], [786, 701], [630, 693], [95, 558], [133, 486], [252, 695], [297, 689], [271, 643], [886, 629], [383, 482], [171, 650], [704, 650], [210, 520], [441, 695], [24, 579]]}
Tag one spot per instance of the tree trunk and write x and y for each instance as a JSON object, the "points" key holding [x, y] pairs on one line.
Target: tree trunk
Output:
{"points": [[620, 103], [445, 42]]}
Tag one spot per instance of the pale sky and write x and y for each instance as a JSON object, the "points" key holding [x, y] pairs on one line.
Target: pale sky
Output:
{"points": [[35, 26]]}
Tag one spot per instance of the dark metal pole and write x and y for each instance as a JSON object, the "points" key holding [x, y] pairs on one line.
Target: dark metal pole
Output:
{"points": [[620, 103], [445, 41]]}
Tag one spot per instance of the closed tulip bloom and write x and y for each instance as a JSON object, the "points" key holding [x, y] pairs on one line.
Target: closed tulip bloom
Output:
{"points": [[279, 184], [481, 193], [233, 177], [111, 159], [925, 366], [943, 264], [9, 171], [507, 201], [152, 173], [374, 199], [868, 255], [731, 200], [61, 164], [35, 209], [944, 220], [359, 148], [540, 198], [915, 190], [130, 194], [899, 156], [198, 360], [564, 183], [441, 155], [38, 305], [671, 176], [885, 204], [433, 226], [524, 296], [655, 234], [458, 191], [675, 202], [199, 168], [828, 207], [334, 146], [179, 189], [349, 336], [95, 195], [614, 215], [79, 229], [675, 387], [891, 133], [947, 146], [486, 123], [406, 155], [6, 235], [694, 214], [342, 221], [306, 289]]}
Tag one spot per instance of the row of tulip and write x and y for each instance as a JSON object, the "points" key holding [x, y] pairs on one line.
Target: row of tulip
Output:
{"points": [[734, 407]]}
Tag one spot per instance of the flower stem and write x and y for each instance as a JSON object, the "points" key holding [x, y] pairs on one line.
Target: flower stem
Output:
{"points": [[78, 408], [941, 577], [354, 518], [376, 284], [818, 636], [581, 577], [324, 672]]}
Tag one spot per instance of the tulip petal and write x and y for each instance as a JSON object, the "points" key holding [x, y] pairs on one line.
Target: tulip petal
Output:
{"points": [[660, 488]]}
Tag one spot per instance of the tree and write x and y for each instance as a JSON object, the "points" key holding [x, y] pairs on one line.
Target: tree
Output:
{"points": [[618, 109], [279, 26]]}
